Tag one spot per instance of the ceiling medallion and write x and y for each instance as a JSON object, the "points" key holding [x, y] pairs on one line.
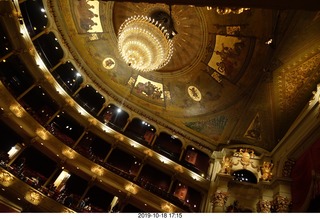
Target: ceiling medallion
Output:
{"points": [[194, 93], [145, 43], [108, 63]]}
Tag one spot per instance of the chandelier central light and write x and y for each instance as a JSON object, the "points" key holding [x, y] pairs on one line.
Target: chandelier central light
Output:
{"points": [[145, 43]]}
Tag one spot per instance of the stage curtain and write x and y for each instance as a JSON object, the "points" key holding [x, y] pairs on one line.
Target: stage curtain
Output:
{"points": [[303, 175]]}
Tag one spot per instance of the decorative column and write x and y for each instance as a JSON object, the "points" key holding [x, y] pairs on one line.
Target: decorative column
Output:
{"points": [[219, 200], [51, 176], [6, 56], [52, 118], [26, 91], [126, 125], [182, 152], [282, 195], [140, 169], [113, 146], [79, 139], [173, 178], [218, 182], [78, 90], [265, 202], [210, 168], [154, 139], [89, 185]]}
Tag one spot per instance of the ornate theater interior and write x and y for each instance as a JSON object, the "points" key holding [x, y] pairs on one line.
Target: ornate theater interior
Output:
{"points": [[159, 106]]}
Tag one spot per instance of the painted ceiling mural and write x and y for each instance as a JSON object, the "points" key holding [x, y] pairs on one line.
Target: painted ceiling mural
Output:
{"points": [[220, 83]]}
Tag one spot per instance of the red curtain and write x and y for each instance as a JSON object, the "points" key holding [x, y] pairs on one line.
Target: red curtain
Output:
{"points": [[302, 176], [191, 157], [181, 192], [148, 136]]}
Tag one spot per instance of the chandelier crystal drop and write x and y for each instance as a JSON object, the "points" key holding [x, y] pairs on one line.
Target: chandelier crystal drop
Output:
{"points": [[144, 43]]}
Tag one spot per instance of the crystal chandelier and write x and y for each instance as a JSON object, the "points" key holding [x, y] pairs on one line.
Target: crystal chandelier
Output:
{"points": [[145, 43]]}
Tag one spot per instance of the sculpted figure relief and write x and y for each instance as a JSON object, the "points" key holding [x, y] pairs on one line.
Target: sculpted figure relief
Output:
{"points": [[266, 171], [226, 165], [245, 156]]}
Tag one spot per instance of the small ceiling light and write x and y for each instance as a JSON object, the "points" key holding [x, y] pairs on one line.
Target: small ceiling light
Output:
{"points": [[268, 42]]}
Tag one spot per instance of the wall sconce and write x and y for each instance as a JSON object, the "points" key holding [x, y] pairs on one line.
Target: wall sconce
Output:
{"points": [[93, 121], [97, 170], [119, 137], [179, 168], [163, 159], [6, 179], [70, 102], [42, 133], [131, 188], [166, 207], [17, 110], [69, 153], [148, 152], [49, 78], [33, 197]]}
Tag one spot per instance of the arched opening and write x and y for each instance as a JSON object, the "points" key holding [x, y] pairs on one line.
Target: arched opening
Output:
{"points": [[244, 176]]}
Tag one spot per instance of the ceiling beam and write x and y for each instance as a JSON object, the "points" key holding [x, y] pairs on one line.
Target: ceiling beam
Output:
{"points": [[266, 4]]}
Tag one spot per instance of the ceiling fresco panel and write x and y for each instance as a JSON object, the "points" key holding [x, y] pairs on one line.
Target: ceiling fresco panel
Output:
{"points": [[234, 77]]}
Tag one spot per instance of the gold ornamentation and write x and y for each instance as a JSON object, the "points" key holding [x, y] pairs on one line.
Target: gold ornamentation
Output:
{"points": [[33, 197], [108, 63], [131, 188], [219, 199], [281, 204], [226, 165], [246, 155], [266, 171], [6, 178], [69, 153], [17, 110], [264, 206]]}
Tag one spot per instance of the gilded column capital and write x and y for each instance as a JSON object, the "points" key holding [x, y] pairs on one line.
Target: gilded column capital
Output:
{"points": [[264, 206], [219, 199], [281, 204]]}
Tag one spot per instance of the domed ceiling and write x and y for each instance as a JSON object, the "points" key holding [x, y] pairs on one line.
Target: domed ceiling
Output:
{"points": [[234, 78]]}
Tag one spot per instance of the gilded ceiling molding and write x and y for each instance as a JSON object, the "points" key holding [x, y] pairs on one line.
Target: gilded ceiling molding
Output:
{"points": [[296, 80]]}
